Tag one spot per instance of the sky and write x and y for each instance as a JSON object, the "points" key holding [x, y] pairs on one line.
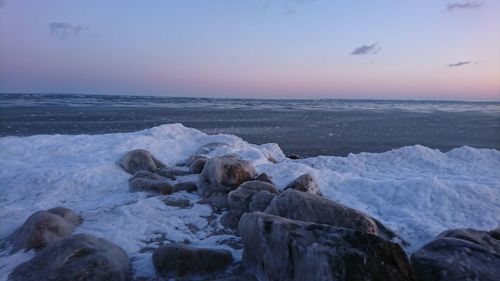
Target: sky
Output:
{"points": [[380, 49]]}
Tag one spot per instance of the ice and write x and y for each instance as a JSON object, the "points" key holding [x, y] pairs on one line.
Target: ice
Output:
{"points": [[416, 191]]}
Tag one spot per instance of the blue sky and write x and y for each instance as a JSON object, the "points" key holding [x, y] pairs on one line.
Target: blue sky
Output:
{"points": [[272, 49]]}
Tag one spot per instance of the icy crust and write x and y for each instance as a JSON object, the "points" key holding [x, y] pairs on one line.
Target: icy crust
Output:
{"points": [[416, 191]]}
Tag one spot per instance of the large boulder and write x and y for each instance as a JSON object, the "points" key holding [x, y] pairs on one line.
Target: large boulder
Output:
{"points": [[264, 177], [304, 183], [77, 257], [223, 174], [309, 207], [277, 248], [240, 197], [139, 160], [43, 228], [186, 186], [180, 261], [460, 254]]}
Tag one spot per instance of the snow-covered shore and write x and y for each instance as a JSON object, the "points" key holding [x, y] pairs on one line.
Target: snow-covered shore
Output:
{"points": [[416, 191]]}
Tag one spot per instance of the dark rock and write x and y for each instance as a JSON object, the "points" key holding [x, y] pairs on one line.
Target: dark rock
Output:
{"points": [[179, 203], [194, 157], [260, 201], [178, 260], [309, 207], [186, 186], [217, 201], [155, 186], [223, 174], [293, 156], [139, 160], [264, 177], [146, 175], [241, 196], [197, 166], [460, 254], [231, 218], [171, 173], [77, 257], [242, 277], [304, 183], [43, 228], [277, 248]]}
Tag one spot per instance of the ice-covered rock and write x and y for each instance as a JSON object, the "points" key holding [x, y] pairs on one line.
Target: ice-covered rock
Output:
{"points": [[264, 177], [188, 186], [197, 166], [43, 228], [223, 174], [260, 201], [240, 197], [149, 185], [139, 160], [460, 254], [218, 201], [276, 248], [76, 257], [309, 207], [180, 260], [231, 218], [304, 183], [171, 172]]}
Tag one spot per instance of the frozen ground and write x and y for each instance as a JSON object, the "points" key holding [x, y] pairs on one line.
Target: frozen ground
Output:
{"points": [[417, 191]]}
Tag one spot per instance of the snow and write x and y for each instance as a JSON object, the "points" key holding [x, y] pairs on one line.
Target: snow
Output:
{"points": [[416, 191]]}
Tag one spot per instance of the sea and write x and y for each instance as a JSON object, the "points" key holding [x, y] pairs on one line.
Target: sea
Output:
{"points": [[301, 127]]}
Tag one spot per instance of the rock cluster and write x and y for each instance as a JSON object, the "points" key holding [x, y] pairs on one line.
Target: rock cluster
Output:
{"points": [[289, 234]]}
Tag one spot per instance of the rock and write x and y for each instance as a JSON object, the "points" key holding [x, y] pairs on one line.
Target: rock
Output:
{"points": [[146, 175], [217, 201], [304, 183], [139, 160], [186, 186], [264, 177], [155, 186], [197, 166], [209, 147], [231, 218], [241, 196], [260, 201], [76, 257], [193, 158], [292, 156], [277, 248], [179, 203], [171, 173], [223, 174], [43, 228], [178, 260], [309, 207], [242, 277], [460, 254]]}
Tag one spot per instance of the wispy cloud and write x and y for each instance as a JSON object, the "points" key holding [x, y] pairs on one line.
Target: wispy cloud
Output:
{"points": [[64, 30], [464, 5], [366, 49], [461, 63]]}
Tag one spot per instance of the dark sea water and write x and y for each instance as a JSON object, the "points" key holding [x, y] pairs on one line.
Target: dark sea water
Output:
{"points": [[303, 127]]}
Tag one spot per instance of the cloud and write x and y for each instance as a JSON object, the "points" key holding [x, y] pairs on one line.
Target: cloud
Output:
{"points": [[2, 3], [63, 30], [366, 49], [463, 5], [460, 63]]}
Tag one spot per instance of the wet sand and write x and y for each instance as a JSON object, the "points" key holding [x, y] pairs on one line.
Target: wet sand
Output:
{"points": [[302, 132]]}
